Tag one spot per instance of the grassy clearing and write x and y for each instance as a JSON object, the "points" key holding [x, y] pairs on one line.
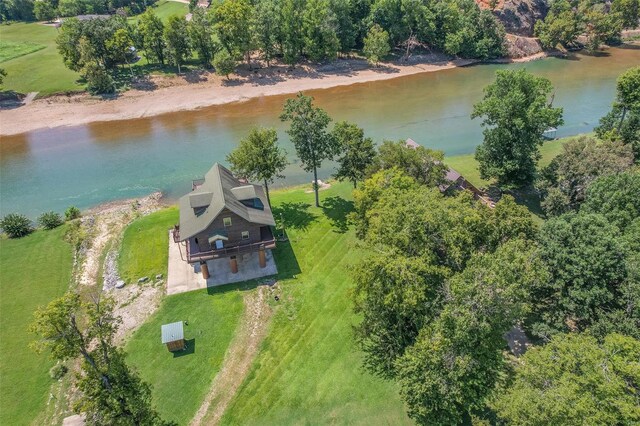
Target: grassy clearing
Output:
{"points": [[180, 382], [11, 49], [309, 370], [35, 269], [144, 250], [165, 8], [42, 71]]}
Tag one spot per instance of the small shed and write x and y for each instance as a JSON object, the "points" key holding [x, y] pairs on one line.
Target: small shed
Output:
{"points": [[173, 336]]}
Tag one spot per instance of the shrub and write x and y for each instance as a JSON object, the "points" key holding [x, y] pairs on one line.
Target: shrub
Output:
{"points": [[50, 220], [72, 213], [16, 225], [58, 371]]}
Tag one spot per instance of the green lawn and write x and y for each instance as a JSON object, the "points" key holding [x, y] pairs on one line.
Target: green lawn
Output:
{"points": [[42, 71], [164, 9], [145, 250], [34, 270], [309, 370], [13, 49], [181, 382]]}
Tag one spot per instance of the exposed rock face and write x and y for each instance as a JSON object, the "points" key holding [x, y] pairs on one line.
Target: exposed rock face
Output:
{"points": [[521, 47], [520, 16]]}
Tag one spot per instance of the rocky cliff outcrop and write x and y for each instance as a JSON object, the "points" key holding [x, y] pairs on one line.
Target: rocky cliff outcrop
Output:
{"points": [[519, 16]]}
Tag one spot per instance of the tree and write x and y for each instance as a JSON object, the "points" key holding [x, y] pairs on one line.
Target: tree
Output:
{"points": [[516, 111], [259, 158], [369, 193], [120, 44], [423, 164], [233, 23], [292, 35], [16, 225], [616, 198], [586, 261], [151, 29], [376, 45], [309, 135], [3, 74], [457, 358], [98, 79], [623, 122], [72, 213], [224, 64], [357, 152], [201, 35], [571, 172], [267, 28], [111, 393], [562, 26], [44, 10], [50, 220], [628, 10], [177, 40], [574, 380], [319, 29], [601, 27]]}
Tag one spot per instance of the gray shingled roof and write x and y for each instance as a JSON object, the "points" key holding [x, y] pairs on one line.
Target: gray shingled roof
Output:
{"points": [[196, 214], [172, 332]]}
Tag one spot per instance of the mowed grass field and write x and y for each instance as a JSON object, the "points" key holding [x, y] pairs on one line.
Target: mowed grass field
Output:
{"points": [[33, 64], [33, 271], [309, 370], [40, 71], [145, 247]]}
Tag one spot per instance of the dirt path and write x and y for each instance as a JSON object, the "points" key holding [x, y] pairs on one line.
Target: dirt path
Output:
{"points": [[238, 359]]}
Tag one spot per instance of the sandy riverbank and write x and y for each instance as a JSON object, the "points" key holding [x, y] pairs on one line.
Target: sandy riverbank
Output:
{"points": [[157, 95]]}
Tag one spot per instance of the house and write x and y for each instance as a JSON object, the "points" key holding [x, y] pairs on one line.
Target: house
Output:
{"points": [[173, 336], [223, 217]]}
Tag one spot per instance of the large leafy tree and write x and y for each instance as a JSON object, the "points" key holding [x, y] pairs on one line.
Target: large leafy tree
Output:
{"points": [[268, 29], [319, 28], [309, 135], [623, 121], [561, 26], [201, 36], [457, 359], [357, 153], [423, 164], [575, 380], [616, 198], [585, 257], [292, 30], [233, 24], [177, 40], [628, 10], [111, 393], [151, 30], [259, 158], [120, 45], [515, 111], [376, 44], [565, 180]]}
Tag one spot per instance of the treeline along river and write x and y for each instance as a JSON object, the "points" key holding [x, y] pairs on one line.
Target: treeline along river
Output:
{"points": [[91, 164]]}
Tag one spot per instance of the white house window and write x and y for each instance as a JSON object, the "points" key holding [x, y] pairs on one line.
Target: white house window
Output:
{"points": [[227, 221], [245, 235]]}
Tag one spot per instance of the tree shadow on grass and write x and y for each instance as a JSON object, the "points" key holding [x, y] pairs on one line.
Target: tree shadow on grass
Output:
{"points": [[190, 349], [337, 210], [293, 215]]}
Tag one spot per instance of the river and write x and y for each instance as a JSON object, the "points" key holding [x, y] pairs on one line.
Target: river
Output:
{"points": [[91, 164]]}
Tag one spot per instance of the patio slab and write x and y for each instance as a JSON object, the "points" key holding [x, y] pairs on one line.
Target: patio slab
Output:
{"points": [[183, 277]]}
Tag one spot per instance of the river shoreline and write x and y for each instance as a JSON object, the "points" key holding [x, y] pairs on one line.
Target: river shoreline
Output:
{"points": [[198, 91]]}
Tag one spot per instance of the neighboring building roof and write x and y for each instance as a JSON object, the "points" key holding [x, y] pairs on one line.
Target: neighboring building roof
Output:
{"points": [[172, 332], [220, 190], [410, 143]]}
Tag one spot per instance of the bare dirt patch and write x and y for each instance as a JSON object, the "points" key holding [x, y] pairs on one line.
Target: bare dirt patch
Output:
{"points": [[238, 359]]}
